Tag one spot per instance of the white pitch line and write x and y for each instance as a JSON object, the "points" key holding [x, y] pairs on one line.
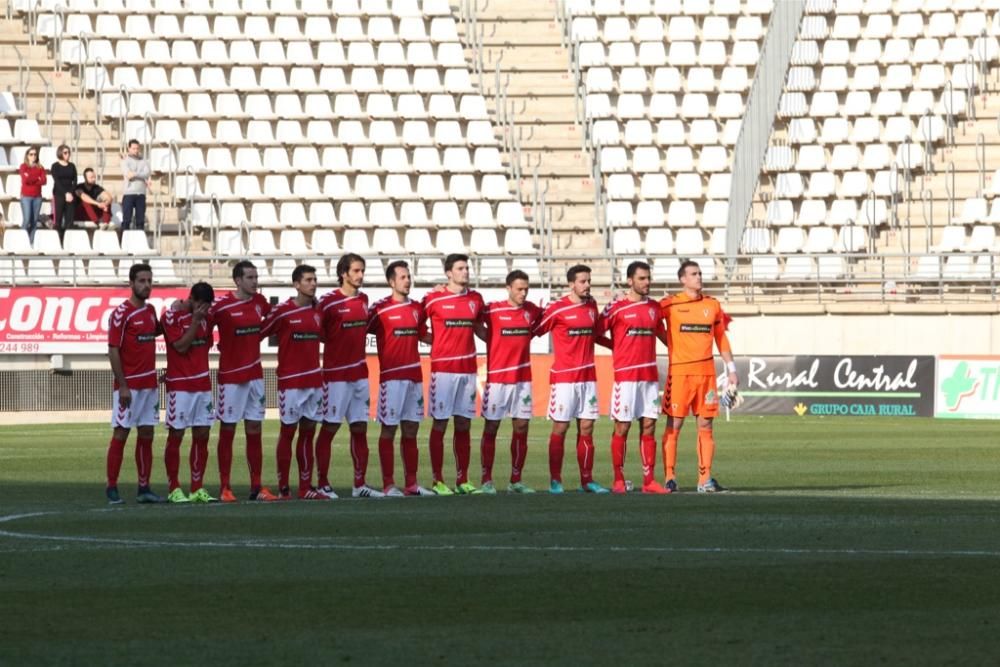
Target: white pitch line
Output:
{"points": [[258, 544]]}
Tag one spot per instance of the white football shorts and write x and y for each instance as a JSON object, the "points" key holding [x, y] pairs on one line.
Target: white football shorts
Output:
{"points": [[631, 400], [453, 395], [237, 402], [298, 404], [186, 409], [507, 399], [573, 400], [400, 400], [144, 410], [346, 400]]}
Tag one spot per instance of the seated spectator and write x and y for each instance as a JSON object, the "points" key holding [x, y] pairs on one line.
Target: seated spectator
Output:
{"points": [[94, 202]]}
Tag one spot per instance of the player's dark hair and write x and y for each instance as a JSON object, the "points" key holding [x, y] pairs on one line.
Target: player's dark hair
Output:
{"points": [[574, 270], [450, 260], [390, 271], [344, 265], [516, 274], [133, 141], [136, 269], [88, 170], [202, 292], [637, 265], [301, 270], [241, 267], [684, 267]]}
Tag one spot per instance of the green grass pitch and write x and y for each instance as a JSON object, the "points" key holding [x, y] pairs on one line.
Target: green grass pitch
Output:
{"points": [[846, 541]]}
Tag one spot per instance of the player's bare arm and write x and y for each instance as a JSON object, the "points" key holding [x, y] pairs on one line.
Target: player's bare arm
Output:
{"points": [[124, 395]]}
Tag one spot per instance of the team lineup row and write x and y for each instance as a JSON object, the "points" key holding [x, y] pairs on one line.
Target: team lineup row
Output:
{"points": [[322, 377]]}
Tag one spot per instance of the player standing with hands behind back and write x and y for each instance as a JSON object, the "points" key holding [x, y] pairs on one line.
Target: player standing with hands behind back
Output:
{"points": [[694, 322]]}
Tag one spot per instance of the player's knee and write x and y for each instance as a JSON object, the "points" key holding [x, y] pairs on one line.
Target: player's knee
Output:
{"points": [[144, 431], [463, 423], [586, 427], [359, 427], [250, 427], [332, 428], [441, 425], [704, 424], [492, 426], [520, 425]]}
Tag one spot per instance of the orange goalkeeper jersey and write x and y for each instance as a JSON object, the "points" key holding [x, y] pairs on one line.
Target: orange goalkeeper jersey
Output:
{"points": [[692, 326]]}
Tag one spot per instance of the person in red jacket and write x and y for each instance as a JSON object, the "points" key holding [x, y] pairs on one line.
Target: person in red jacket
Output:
{"points": [[32, 179]]}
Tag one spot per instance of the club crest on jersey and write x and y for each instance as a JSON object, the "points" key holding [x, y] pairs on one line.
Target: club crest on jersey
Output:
{"points": [[316, 317], [652, 313], [472, 307], [592, 317], [705, 312], [257, 308], [527, 317]]}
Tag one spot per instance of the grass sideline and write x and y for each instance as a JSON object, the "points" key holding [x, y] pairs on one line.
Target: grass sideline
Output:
{"points": [[848, 541]]}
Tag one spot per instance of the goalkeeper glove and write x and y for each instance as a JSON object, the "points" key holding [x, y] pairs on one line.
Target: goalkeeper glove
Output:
{"points": [[731, 398]]}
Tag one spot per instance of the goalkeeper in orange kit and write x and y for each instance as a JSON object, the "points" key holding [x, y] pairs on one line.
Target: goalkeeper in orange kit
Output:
{"points": [[694, 322]]}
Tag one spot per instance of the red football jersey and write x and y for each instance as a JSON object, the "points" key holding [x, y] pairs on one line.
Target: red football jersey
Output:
{"points": [[508, 345], [398, 327], [573, 328], [634, 327], [345, 327], [299, 330], [133, 331], [453, 320], [187, 371], [239, 325]]}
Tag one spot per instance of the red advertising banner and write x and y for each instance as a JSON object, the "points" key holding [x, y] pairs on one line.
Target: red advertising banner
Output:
{"points": [[57, 320]]}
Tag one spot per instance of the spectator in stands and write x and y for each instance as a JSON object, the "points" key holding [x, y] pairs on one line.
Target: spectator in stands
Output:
{"points": [[63, 186], [94, 203], [136, 171], [32, 179]]}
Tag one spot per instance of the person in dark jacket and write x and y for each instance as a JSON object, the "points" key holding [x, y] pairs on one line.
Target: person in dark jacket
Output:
{"points": [[64, 181]]}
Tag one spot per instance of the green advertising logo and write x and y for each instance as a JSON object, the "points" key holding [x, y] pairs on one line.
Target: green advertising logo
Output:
{"points": [[960, 385]]}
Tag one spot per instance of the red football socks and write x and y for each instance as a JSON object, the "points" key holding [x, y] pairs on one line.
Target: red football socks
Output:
{"points": [[518, 454], [359, 454], [116, 452], [437, 455], [172, 459], [304, 456], [585, 458], [255, 458], [410, 459], [556, 452], [487, 453], [461, 443], [618, 444], [324, 443], [198, 460], [225, 454], [285, 438], [647, 450], [386, 459], [144, 459]]}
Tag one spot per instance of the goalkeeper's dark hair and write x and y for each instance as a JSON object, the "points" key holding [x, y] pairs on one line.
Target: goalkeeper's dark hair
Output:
{"points": [[390, 271], [684, 267], [517, 274], [136, 269], [344, 265], [301, 270], [636, 266], [202, 292], [575, 270], [241, 268]]}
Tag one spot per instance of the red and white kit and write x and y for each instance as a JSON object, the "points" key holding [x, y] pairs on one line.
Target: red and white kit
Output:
{"points": [[398, 327], [189, 386], [508, 360], [241, 377], [300, 377], [133, 331], [452, 320], [573, 376], [345, 364], [634, 327]]}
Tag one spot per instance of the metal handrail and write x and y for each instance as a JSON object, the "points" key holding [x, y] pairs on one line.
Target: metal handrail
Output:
{"points": [[981, 163], [23, 74], [126, 100], [949, 186], [949, 112], [927, 201], [60, 13]]}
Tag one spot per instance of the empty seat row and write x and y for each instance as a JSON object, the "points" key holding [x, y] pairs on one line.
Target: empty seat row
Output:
{"points": [[100, 271], [399, 8], [24, 131], [657, 54], [76, 242], [692, 241], [675, 29], [667, 7], [381, 241]]}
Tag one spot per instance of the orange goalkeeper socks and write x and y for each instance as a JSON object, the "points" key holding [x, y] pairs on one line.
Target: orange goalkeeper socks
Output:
{"points": [[706, 452], [670, 453]]}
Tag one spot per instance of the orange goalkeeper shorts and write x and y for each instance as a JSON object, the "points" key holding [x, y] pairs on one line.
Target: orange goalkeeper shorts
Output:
{"points": [[687, 394]]}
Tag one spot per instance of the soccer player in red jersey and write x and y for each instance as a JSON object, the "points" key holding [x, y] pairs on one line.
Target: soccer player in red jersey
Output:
{"points": [[572, 320], [507, 327], [298, 326], [345, 375], [238, 316], [398, 324], [187, 330], [132, 332], [634, 324], [452, 313]]}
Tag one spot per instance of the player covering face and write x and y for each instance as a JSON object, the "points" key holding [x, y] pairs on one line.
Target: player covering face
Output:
{"points": [[694, 322], [507, 327], [187, 328], [634, 324], [132, 332]]}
